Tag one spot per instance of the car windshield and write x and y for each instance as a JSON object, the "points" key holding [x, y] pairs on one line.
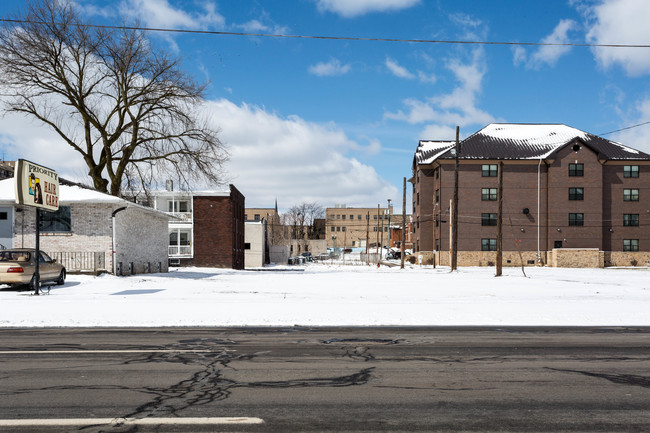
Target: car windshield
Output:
{"points": [[14, 256]]}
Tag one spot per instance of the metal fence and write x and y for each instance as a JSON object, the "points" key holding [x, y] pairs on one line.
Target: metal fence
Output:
{"points": [[81, 261]]}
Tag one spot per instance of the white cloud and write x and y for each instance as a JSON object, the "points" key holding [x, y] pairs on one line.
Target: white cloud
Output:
{"points": [[161, 14], [401, 72], [331, 68], [639, 137], [459, 107], [354, 8], [25, 138], [271, 156], [397, 70], [620, 22], [294, 160], [547, 54]]}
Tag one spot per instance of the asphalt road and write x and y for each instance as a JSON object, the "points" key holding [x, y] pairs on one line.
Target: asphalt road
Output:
{"points": [[337, 379]]}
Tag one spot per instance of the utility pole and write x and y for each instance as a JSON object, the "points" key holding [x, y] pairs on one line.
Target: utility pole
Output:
{"points": [[377, 244], [454, 217], [403, 248], [389, 232], [500, 220], [367, 237]]}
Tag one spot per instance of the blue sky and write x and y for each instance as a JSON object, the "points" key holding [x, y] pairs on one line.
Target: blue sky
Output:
{"points": [[337, 121]]}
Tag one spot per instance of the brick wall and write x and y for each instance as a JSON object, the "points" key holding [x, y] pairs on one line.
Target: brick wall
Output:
{"points": [[142, 234], [142, 239], [219, 231]]}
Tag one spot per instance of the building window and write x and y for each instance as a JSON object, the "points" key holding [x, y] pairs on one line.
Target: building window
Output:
{"points": [[437, 171], [3, 216], [631, 194], [57, 222], [257, 217], [488, 244], [489, 170], [576, 169], [338, 217], [245, 217], [631, 171], [488, 219], [631, 219], [178, 206], [488, 194], [247, 245], [338, 229], [576, 219], [359, 217], [630, 245], [343, 228], [417, 198], [351, 217], [576, 194], [418, 222], [437, 195], [374, 217], [343, 217], [374, 229]]}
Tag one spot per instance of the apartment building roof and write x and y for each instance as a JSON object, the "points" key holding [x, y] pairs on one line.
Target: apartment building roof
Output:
{"points": [[524, 141]]}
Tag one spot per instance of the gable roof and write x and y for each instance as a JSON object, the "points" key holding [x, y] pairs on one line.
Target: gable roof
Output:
{"points": [[429, 150], [535, 141]]}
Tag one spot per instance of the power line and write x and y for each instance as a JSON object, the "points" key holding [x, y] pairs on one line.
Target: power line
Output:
{"points": [[336, 38], [626, 128]]}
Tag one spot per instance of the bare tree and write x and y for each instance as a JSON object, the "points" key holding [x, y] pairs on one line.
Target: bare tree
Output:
{"points": [[127, 108], [301, 218]]}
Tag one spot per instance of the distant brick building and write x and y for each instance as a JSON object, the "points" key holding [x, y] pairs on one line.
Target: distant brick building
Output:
{"points": [[569, 198]]}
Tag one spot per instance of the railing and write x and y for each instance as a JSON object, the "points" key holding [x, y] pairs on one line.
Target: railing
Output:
{"points": [[183, 216], [81, 261], [180, 251]]}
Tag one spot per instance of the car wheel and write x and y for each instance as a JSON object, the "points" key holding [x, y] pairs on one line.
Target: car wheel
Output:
{"points": [[61, 280]]}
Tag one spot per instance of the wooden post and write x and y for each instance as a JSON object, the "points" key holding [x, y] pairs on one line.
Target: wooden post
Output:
{"points": [[403, 249], [367, 237], [377, 244], [454, 247], [500, 220]]}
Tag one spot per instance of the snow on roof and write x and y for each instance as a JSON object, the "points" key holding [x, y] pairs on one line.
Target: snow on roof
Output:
{"points": [[67, 194], [527, 141], [429, 150]]}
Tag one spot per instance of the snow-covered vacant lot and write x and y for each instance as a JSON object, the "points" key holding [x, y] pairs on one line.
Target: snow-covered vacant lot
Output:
{"points": [[330, 295]]}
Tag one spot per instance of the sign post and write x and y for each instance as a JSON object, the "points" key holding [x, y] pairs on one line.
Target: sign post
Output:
{"points": [[38, 187]]}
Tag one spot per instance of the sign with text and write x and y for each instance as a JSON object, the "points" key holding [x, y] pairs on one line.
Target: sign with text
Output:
{"points": [[36, 186]]}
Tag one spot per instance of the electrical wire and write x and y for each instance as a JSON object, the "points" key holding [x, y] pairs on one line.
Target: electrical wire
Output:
{"points": [[336, 38]]}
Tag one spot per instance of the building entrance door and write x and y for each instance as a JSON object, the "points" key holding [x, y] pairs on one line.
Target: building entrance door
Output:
{"points": [[6, 227]]}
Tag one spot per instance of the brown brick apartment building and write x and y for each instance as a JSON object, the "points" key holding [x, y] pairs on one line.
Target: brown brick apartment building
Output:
{"points": [[569, 197]]}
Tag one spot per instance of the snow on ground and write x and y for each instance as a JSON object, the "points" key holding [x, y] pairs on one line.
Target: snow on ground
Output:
{"points": [[331, 295]]}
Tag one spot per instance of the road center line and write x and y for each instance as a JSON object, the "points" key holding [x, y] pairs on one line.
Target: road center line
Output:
{"points": [[127, 421]]}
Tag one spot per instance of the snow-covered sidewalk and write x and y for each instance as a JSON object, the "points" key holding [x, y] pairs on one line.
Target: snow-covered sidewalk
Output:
{"points": [[326, 295]]}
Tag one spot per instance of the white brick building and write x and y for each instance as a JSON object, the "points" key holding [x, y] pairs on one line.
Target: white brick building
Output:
{"points": [[81, 235]]}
